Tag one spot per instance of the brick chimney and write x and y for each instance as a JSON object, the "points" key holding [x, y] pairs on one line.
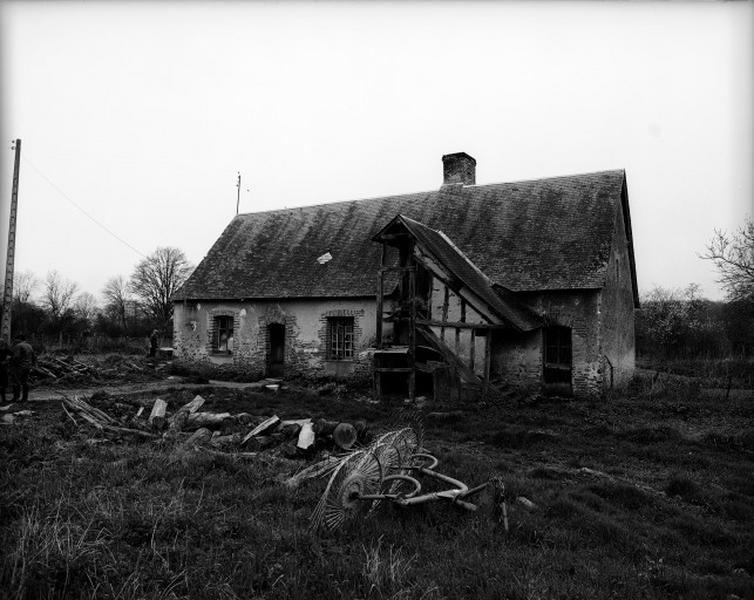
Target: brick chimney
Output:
{"points": [[459, 168]]}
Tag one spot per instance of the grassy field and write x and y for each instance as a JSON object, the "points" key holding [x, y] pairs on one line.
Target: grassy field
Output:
{"points": [[647, 494]]}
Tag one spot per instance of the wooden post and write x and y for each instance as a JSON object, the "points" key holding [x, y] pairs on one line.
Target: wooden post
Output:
{"points": [[445, 302], [487, 359], [412, 333], [472, 349], [11, 249], [378, 328]]}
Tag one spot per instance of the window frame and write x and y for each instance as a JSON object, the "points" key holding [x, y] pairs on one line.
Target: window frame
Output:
{"points": [[340, 338], [222, 324]]}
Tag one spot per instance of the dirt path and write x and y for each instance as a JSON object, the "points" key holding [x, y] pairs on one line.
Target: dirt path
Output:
{"points": [[48, 393]]}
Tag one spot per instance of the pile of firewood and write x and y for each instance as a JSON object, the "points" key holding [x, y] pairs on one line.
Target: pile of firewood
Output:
{"points": [[242, 433], [63, 370], [51, 369]]}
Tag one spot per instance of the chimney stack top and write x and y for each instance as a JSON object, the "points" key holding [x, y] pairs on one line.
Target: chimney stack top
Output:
{"points": [[459, 167]]}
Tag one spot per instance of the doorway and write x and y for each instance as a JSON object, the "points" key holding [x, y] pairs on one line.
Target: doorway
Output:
{"points": [[558, 361], [276, 355]]}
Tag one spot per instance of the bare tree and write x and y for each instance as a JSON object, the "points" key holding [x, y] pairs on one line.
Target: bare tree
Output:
{"points": [[117, 295], [156, 279], [86, 307], [733, 256], [58, 295], [24, 284]]}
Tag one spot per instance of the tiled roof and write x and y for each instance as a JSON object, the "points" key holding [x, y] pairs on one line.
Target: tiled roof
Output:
{"points": [[545, 234]]}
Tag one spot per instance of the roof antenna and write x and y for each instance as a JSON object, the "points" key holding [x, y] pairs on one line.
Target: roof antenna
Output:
{"points": [[238, 196]]}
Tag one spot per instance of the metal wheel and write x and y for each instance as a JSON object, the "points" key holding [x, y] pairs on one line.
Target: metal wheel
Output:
{"points": [[358, 474]]}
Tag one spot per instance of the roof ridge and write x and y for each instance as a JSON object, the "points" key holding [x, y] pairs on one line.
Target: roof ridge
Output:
{"points": [[434, 191]]}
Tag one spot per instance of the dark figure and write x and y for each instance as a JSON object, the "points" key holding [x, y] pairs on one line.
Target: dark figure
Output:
{"points": [[153, 344], [21, 361], [5, 355]]}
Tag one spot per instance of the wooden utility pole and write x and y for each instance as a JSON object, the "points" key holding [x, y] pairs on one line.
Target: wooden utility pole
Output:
{"points": [[11, 253]]}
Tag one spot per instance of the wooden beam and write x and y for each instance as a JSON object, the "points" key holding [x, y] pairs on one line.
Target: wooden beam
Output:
{"points": [[458, 325], [398, 269], [380, 309], [445, 303], [472, 349], [487, 359], [412, 334]]}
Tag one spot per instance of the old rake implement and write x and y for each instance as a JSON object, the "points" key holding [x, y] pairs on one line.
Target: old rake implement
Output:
{"points": [[385, 471]]}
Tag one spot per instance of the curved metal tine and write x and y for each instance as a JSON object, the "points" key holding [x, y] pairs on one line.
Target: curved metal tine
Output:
{"points": [[361, 475], [433, 460], [318, 513]]}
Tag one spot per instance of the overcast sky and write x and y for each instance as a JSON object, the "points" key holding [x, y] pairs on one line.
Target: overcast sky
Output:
{"points": [[142, 114]]}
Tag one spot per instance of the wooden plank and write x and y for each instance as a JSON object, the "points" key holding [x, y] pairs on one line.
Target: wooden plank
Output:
{"points": [[472, 349], [459, 325], [264, 426]]}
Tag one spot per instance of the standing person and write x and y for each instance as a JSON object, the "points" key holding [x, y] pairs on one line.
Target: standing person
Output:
{"points": [[153, 343], [21, 361], [5, 355]]}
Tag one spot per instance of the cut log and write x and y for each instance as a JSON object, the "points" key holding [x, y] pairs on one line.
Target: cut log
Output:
{"points": [[157, 419], [306, 436], [344, 436], [206, 419], [260, 442], [226, 440], [179, 419], [324, 427], [290, 430], [262, 428], [298, 422], [200, 436], [244, 418]]}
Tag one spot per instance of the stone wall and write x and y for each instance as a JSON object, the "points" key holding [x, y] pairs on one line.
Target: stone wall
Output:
{"points": [[305, 323], [517, 357], [617, 313]]}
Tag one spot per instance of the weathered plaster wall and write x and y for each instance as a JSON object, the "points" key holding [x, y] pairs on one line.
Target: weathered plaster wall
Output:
{"points": [[455, 311], [517, 358], [305, 324], [458, 311], [617, 312]]}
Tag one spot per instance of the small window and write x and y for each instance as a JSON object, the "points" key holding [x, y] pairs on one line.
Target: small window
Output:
{"points": [[340, 338], [223, 338]]}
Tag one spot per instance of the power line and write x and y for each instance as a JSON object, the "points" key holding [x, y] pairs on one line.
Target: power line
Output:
{"points": [[86, 214]]}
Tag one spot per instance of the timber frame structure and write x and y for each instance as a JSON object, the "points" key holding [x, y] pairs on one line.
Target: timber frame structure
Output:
{"points": [[443, 312]]}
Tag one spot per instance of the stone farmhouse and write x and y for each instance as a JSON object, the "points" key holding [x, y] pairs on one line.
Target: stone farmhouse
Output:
{"points": [[469, 289]]}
